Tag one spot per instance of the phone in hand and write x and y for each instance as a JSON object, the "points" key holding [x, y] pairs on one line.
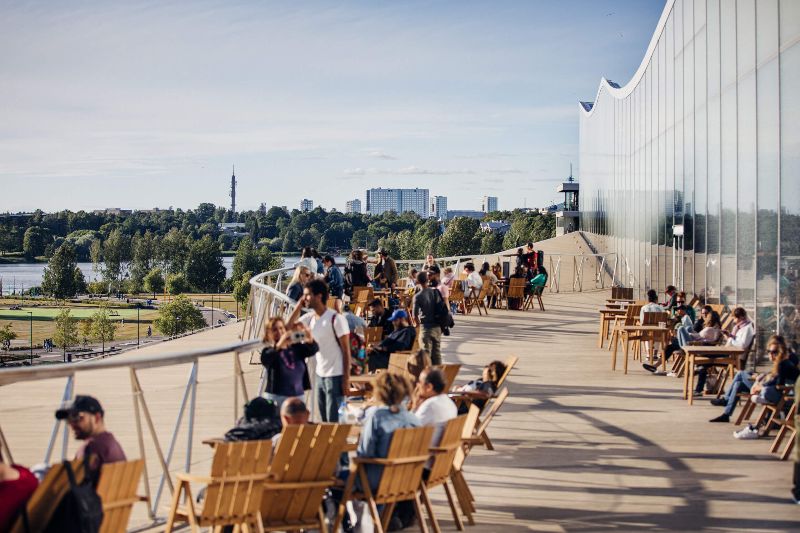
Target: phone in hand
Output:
{"points": [[298, 337]]}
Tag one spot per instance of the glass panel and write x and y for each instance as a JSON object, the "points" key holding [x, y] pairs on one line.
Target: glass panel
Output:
{"points": [[790, 169], [713, 152], [700, 152], [728, 166], [747, 166], [688, 149]]}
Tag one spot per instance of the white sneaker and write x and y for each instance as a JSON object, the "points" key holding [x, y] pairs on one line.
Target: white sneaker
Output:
{"points": [[748, 433], [672, 374]]}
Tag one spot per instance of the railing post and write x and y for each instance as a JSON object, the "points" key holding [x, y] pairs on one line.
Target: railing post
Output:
{"points": [[65, 397]]}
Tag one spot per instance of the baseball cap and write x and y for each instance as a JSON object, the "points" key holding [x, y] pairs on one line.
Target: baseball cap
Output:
{"points": [[81, 404], [398, 313]]}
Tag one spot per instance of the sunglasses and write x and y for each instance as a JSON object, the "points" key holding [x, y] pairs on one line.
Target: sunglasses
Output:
{"points": [[772, 352], [77, 417]]}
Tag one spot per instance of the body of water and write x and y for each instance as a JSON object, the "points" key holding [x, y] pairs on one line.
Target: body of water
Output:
{"points": [[21, 276]]}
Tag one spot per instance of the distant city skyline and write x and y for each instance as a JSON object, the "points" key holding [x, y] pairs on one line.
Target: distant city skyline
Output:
{"points": [[139, 105]]}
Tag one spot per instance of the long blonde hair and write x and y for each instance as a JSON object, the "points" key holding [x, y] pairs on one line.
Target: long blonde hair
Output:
{"points": [[783, 352], [297, 272], [268, 328]]}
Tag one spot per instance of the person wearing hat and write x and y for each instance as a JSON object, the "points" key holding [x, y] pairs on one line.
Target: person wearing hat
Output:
{"points": [[85, 416], [260, 421], [389, 269], [379, 317], [399, 340]]}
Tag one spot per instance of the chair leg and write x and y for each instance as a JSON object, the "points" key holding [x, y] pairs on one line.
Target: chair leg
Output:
{"points": [[423, 526], [427, 501], [173, 510], [486, 441], [387, 515], [456, 516], [789, 447], [323, 527]]}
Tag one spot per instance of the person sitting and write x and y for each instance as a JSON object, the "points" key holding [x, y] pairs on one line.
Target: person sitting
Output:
{"points": [[86, 418], [335, 280], [539, 279], [285, 359], [380, 423], [400, 340], [17, 485], [519, 273], [260, 421], [293, 412], [474, 280], [479, 391], [301, 276], [651, 306], [685, 333], [763, 387], [741, 336], [431, 403], [672, 295], [380, 317], [680, 300], [355, 322], [429, 262], [356, 271], [411, 280]]}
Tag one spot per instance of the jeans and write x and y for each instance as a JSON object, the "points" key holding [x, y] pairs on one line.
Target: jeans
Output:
{"points": [[741, 383], [685, 336], [329, 396], [279, 399], [432, 343]]}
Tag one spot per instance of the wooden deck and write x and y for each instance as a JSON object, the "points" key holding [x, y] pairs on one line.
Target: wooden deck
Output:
{"points": [[578, 447]]}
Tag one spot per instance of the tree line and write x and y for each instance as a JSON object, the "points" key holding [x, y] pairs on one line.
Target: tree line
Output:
{"points": [[180, 250]]}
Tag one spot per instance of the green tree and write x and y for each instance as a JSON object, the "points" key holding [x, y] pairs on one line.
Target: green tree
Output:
{"points": [[154, 281], [173, 251], [116, 252], [461, 237], [491, 243], [176, 283], [241, 289], [204, 268], [34, 242], [250, 258], [66, 334], [144, 257], [62, 278], [7, 335], [179, 316], [101, 327]]}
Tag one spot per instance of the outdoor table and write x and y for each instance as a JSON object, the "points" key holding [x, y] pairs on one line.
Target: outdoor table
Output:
{"points": [[606, 316], [729, 355], [620, 300], [653, 333]]}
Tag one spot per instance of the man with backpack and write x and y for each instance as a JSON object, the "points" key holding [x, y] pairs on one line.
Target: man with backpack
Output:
{"points": [[427, 309]]}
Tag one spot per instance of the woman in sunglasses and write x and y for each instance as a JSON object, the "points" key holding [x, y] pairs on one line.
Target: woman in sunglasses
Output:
{"points": [[763, 387]]}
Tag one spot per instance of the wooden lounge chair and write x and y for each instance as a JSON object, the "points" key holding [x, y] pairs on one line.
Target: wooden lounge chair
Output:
{"points": [[47, 496], [400, 479], [398, 363], [457, 294], [373, 335], [302, 469], [450, 372], [516, 292], [788, 429], [117, 488], [233, 490], [444, 454], [464, 495], [629, 319], [481, 437], [476, 299], [510, 362]]}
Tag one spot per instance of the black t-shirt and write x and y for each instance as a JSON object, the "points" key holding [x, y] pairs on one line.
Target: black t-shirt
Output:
{"points": [[382, 321]]}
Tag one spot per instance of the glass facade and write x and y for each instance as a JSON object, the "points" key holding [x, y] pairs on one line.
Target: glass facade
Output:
{"points": [[705, 138]]}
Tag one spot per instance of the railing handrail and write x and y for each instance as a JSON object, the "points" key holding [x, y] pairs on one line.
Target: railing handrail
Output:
{"points": [[9, 376]]}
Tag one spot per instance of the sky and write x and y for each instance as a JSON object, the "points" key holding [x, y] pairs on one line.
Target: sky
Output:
{"points": [[149, 104]]}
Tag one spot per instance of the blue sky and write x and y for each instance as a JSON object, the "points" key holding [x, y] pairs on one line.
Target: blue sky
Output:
{"points": [[148, 104]]}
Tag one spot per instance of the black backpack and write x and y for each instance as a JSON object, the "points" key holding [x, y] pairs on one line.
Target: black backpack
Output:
{"points": [[81, 510], [442, 313]]}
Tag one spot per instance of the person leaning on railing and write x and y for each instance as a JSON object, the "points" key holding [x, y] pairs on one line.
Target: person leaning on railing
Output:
{"points": [[301, 276]]}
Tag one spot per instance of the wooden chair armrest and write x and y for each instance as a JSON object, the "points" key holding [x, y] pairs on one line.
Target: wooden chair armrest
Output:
{"points": [[192, 478], [386, 462]]}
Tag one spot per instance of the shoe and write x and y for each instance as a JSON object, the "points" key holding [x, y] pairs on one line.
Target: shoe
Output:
{"points": [[748, 433], [721, 418], [660, 373], [719, 402], [671, 374], [395, 524], [757, 399], [650, 368]]}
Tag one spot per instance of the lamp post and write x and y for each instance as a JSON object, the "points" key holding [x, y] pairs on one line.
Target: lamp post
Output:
{"points": [[212, 310], [30, 319], [138, 323]]}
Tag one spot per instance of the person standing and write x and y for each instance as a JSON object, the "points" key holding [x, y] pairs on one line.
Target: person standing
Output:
{"points": [[335, 280], [333, 358], [284, 359], [425, 305], [389, 269]]}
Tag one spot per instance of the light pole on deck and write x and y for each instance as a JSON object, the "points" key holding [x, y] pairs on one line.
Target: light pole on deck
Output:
{"points": [[138, 323], [30, 319]]}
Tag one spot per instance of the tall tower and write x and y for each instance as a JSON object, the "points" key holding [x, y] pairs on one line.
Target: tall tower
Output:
{"points": [[233, 194]]}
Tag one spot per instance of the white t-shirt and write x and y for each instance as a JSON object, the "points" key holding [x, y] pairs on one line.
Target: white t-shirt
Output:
{"points": [[329, 357], [651, 307], [474, 280], [437, 411]]}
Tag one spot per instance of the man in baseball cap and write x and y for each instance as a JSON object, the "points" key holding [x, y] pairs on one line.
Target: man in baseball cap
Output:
{"points": [[399, 340], [85, 416]]}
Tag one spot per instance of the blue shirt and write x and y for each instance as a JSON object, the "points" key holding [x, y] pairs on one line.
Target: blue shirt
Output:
{"points": [[376, 436], [335, 279]]}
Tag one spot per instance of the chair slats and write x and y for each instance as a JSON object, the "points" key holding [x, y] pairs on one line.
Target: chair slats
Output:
{"points": [[117, 488]]}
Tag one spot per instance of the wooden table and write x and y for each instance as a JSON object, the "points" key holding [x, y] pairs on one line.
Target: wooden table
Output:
{"points": [[653, 334], [607, 315], [721, 355], [619, 301]]}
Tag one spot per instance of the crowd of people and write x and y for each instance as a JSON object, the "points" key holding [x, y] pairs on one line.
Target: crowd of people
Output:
{"points": [[702, 325]]}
